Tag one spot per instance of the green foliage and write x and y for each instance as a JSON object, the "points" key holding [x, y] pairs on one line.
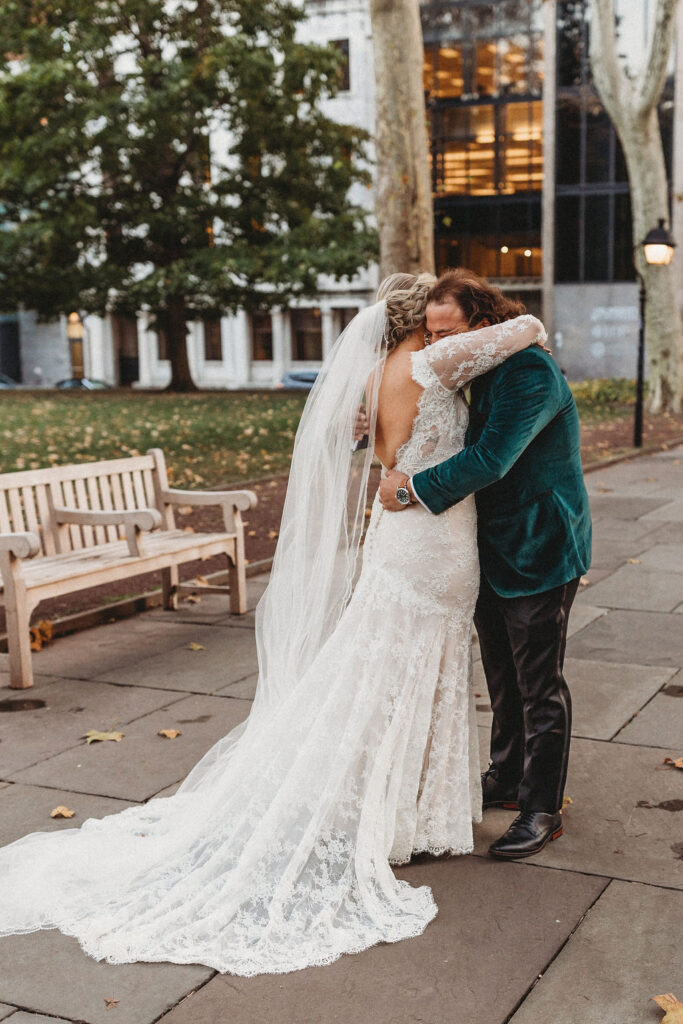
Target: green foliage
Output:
{"points": [[173, 156], [604, 391], [208, 438]]}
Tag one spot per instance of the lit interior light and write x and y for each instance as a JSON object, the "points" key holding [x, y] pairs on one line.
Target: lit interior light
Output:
{"points": [[527, 252], [504, 249]]}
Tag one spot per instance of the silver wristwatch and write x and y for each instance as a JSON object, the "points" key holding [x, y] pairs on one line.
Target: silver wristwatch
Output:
{"points": [[403, 495]]}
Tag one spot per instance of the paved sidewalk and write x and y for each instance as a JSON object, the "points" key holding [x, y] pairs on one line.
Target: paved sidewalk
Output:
{"points": [[584, 933]]}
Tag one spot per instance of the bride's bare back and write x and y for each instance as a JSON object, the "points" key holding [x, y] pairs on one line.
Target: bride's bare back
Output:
{"points": [[397, 401]]}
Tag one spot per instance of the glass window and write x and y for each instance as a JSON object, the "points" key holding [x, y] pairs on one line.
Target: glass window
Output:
{"points": [[213, 345], [597, 239], [622, 253], [346, 316], [571, 42], [449, 71], [429, 68], [342, 45], [162, 343], [567, 247], [598, 144], [514, 65], [261, 336], [486, 77], [568, 171], [307, 336]]}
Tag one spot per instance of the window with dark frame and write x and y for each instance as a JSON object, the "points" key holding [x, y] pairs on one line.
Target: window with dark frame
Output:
{"points": [[213, 343], [261, 336], [342, 45], [307, 335]]}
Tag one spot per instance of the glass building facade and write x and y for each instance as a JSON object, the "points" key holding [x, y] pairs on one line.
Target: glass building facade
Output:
{"points": [[483, 87]]}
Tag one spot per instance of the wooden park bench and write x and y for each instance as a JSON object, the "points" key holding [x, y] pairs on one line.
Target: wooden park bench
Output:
{"points": [[67, 528]]}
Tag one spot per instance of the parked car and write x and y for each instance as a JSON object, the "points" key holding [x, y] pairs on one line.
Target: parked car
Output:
{"points": [[299, 380], [82, 384]]}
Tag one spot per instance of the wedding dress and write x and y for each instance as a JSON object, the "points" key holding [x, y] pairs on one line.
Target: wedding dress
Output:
{"points": [[275, 852]]}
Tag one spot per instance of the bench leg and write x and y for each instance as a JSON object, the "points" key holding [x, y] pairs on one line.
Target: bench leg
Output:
{"points": [[19, 644], [169, 585], [237, 578]]}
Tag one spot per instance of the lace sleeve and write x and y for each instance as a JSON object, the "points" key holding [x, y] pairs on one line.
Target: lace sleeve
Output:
{"points": [[461, 357]]}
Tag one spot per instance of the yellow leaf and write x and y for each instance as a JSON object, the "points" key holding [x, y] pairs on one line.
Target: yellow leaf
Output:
{"points": [[673, 1007], [272, 534], [674, 762], [192, 646], [61, 812], [41, 634], [202, 581], [184, 510], [633, 561], [95, 736], [111, 1003], [584, 581], [188, 529], [566, 802], [170, 734]]}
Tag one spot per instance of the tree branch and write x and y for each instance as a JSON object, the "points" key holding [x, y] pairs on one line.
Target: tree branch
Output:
{"points": [[609, 76], [653, 74]]}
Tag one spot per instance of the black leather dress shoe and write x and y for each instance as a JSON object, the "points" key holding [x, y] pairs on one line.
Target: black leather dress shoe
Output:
{"points": [[528, 834], [495, 793]]}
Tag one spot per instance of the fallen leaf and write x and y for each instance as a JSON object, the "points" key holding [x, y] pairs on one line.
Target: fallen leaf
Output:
{"points": [[605, 490], [673, 1007], [192, 646], [184, 510], [272, 534], [192, 599], [41, 634], [188, 529], [566, 802], [111, 1003], [202, 581], [674, 762], [170, 734], [61, 812], [95, 736], [634, 561], [584, 581], [252, 533]]}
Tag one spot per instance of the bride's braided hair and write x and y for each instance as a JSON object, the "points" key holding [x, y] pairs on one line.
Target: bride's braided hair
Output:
{"points": [[406, 298]]}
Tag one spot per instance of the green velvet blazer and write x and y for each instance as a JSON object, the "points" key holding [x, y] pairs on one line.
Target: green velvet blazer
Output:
{"points": [[522, 460]]}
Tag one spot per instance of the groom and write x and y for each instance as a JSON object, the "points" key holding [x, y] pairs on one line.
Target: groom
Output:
{"points": [[522, 462]]}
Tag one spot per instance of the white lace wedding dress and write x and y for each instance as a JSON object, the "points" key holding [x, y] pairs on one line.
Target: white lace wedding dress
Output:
{"points": [[279, 858]]}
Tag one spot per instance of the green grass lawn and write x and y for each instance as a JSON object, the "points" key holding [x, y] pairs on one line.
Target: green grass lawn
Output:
{"points": [[213, 438], [208, 438]]}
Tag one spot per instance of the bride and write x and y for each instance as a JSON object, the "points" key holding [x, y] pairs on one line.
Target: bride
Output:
{"points": [[360, 749]]}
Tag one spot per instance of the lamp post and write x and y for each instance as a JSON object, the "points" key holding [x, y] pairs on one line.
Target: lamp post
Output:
{"points": [[658, 247]]}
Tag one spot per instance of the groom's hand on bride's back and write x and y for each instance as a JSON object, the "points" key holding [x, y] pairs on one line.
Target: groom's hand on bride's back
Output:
{"points": [[361, 427]]}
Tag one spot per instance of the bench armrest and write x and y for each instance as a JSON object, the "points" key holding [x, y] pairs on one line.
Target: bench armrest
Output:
{"points": [[232, 502], [143, 518], [21, 545], [134, 521]]}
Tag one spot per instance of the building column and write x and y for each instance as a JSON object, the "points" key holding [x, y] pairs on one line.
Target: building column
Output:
{"points": [[242, 353], [548, 194], [94, 348], [279, 358], [328, 329], [145, 342]]}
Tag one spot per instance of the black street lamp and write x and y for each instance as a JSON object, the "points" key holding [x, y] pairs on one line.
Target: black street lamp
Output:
{"points": [[658, 247]]}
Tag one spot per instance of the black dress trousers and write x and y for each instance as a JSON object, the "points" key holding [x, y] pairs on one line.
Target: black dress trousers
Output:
{"points": [[522, 641]]}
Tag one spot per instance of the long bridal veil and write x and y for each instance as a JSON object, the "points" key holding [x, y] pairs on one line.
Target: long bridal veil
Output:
{"points": [[234, 869]]}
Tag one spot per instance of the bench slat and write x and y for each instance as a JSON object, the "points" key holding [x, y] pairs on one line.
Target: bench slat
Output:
{"points": [[47, 529], [108, 504], [139, 489], [87, 532], [74, 471], [73, 530], [29, 500], [95, 503], [16, 510], [5, 521]]}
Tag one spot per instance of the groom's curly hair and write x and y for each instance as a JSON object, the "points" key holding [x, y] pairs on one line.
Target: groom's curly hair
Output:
{"points": [[480, 301]]}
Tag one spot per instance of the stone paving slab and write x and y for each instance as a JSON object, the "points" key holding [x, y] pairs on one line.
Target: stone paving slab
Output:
{"points": [[94, 651], [142, 763], [212, 607], [643, 638], [6, 1010], [625, 531], [616, 507], [605, 695], [25, 809], [72, 707], [581, 616], [666, 558], [48, 972], [633, 586], [242, 690], [444, 976], [626, 819], [23, 1017], [610, 553], [626, 951], [659, 724], [228, 656], [669, 513]]}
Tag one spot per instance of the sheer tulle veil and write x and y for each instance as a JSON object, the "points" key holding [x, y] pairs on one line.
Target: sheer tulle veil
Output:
{"points": [[318, 549]]}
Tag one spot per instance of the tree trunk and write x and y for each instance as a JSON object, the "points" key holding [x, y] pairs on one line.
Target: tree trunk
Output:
{"points": [[405, 216], [631, 102], [642, 146], [174, 321]]}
